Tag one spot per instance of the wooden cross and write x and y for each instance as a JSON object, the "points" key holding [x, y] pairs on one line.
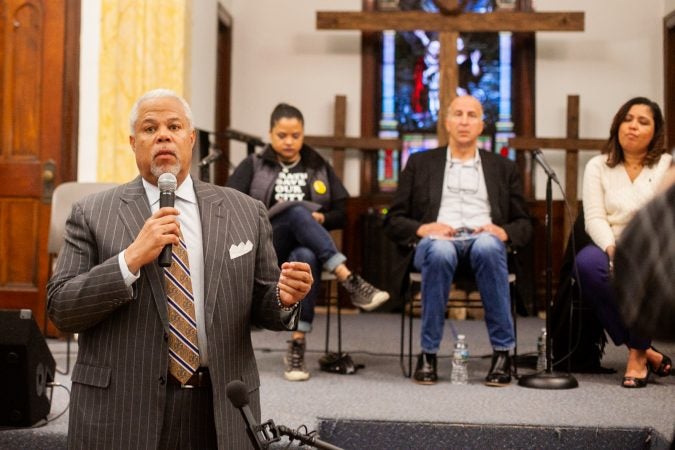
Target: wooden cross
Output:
{"points": [[449, 27], [572, 144], [339, 142]]}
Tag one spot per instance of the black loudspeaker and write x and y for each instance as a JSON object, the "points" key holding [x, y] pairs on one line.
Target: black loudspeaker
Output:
{"points": [[26, 366]]}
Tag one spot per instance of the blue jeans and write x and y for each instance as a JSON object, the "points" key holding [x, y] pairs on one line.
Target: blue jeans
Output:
{"points": [[596, 289], [298, 237], [438, 260]]}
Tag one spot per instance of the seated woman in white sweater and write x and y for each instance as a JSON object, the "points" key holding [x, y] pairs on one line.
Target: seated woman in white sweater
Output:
{"points": [[616, 184]]}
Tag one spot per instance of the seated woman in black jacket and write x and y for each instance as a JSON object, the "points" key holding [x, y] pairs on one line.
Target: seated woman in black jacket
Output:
{"points": [[306, 199]]}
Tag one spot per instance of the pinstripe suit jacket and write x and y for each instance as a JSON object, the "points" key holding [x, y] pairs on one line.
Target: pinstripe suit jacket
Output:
{"points": [[119, 378]]}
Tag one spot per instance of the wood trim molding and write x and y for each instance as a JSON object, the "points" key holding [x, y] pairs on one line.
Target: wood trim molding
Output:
{"points": [[669, 20], [668, 77], [370, 92], [71, 92], [224, 16]]}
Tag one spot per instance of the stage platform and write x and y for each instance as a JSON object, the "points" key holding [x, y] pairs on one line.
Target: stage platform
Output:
{"points": [[378, 408]]}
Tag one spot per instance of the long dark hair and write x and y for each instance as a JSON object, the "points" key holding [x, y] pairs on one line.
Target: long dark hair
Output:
{"points": [[656, 146]]}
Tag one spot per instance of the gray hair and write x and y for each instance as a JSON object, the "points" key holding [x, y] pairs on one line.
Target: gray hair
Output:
{"points": [[158, 93]]}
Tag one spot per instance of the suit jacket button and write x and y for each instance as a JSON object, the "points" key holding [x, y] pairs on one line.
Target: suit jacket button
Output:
{"points": [[162, 381], [166, 337]]}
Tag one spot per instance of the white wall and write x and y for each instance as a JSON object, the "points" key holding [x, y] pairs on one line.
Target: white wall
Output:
{"points": [[279, 55], [618, 56], [202, 73], [90, 43]]}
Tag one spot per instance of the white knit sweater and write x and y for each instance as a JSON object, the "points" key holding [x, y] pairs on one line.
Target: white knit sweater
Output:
{"points": [[611, 199]]}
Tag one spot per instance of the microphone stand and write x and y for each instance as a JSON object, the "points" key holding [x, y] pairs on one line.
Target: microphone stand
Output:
{"points": [[206, 162], [305, 439], [548, 379], [251, 141], [261, 436]]}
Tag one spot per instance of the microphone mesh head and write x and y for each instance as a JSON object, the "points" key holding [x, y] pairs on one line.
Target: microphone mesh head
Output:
{"points": [[167, 182], [237, 392]]}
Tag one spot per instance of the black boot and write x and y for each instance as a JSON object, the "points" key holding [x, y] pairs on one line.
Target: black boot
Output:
{"points": [[425, 373], [500, 370]]}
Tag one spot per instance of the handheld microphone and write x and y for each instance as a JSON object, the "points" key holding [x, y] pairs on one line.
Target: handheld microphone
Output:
{"points": [[539, 156], [167, 184], [237, 392], [211, 157]]}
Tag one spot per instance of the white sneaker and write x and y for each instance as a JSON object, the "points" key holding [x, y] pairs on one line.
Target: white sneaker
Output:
{"points": [[295, 361]]}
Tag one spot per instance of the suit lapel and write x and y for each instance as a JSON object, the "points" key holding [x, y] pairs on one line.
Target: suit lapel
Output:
{"points": [[134, 211], [436, 175], [215, 223], [491, 175]]}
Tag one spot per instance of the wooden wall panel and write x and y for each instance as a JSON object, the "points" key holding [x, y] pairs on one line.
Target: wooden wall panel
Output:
{"points": [[24, 81], [19, 218]]}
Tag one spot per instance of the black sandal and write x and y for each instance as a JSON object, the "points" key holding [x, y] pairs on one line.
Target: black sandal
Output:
{"points": [[635, 382], [663, 370]]}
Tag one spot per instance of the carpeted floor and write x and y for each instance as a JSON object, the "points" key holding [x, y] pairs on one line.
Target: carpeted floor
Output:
{"points": [[379, 393]]}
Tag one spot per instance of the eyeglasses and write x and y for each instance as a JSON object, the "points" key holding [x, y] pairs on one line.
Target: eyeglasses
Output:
{"points": [[462, 178]]}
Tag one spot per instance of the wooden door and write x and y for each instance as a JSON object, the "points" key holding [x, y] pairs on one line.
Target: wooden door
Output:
{"points": [[37, 129]]}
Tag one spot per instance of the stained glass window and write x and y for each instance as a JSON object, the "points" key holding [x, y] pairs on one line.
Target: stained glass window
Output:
{"points": [[410, 77]]}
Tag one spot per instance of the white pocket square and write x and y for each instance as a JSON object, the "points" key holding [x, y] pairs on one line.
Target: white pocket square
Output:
{"points": [[241, 249]]}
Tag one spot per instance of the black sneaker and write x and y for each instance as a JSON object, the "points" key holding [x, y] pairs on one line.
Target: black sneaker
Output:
{"points": [[295, 361], [363, 294]]}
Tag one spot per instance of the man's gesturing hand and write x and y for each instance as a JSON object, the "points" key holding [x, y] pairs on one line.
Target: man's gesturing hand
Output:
{"points": [[295, 281]]}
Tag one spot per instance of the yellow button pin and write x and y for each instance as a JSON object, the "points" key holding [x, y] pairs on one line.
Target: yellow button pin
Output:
{"points": [[319, 187]]}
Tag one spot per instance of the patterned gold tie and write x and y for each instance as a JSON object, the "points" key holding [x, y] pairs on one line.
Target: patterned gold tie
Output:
{"points": [[183, 350]]}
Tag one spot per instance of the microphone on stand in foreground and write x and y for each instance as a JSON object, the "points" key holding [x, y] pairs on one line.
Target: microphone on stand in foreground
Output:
{"points": [[167, 184], [237, 392]]}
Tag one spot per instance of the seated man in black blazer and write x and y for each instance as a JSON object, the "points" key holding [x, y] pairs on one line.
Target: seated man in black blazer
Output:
{"points": [[458, 204]]}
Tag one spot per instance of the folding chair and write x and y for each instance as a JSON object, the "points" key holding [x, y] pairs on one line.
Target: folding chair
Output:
{"points": [[63, 198]]}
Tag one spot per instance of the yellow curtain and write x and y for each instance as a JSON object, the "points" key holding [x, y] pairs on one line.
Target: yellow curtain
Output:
{"points": [[144, 46]]}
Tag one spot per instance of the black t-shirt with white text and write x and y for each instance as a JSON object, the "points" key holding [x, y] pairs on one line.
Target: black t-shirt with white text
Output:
{"points": [[291, 185]]}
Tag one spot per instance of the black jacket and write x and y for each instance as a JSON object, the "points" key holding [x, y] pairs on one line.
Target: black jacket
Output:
{"points": [[262, 169], [418, 200]]}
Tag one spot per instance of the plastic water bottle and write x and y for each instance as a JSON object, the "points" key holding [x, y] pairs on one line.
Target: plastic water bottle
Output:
{"points": [[541, 351], [460, 361]]}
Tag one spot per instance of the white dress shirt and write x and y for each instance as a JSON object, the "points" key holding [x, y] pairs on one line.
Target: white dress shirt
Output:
{"points": [[464, 201]]}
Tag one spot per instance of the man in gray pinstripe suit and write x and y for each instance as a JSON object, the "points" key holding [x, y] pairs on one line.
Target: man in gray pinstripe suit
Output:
{"points": [[109, 288]]}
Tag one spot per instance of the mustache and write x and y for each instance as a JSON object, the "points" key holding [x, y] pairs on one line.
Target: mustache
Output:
{"points": [[164, 151]]}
